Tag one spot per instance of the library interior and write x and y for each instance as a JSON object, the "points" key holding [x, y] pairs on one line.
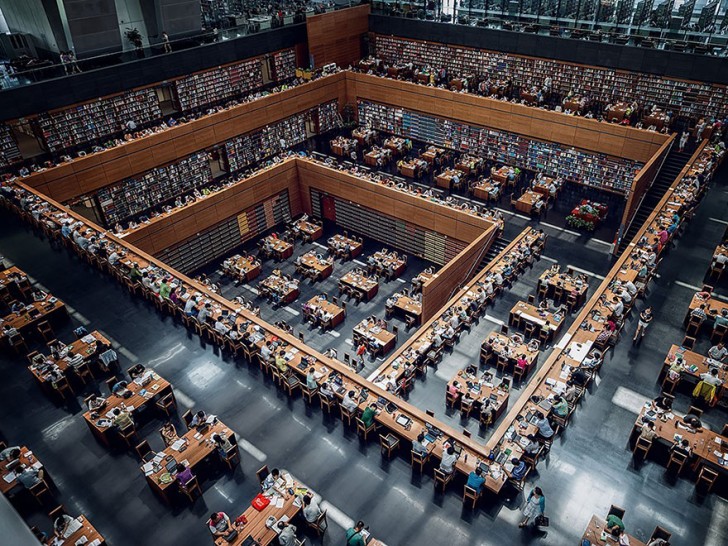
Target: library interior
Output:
{"points": [[296, 272]]}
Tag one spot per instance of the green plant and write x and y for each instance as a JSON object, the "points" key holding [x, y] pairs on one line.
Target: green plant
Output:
{"points": [[578, 223]]}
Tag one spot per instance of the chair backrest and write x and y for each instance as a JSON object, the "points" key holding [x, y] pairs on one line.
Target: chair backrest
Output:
{"points": [[187, 417], [659, 532], [617, 511], [262, 473]]}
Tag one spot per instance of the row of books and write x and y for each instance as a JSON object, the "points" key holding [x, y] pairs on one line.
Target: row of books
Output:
{"points": [[9, 152], [284, 65], [140, 193], [692, 99], [97, 119], [328, 116], [595, 170], [250, 148], [219, 84]]}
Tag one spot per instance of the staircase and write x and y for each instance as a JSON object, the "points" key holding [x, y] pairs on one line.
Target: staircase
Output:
{"points": [[496, 248], [674, 163]]}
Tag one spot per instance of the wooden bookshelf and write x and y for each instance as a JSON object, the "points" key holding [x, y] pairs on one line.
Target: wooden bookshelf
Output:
{"points": [[9, 152]]}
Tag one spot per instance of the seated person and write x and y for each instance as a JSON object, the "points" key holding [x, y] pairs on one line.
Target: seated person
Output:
{"points": [[287, 535], [184, 474], [198, 419], [519, 469], [169, 433], [560, 406], [311, 508], [219, 524], [95, 402], [60, 525], [476, 480]]}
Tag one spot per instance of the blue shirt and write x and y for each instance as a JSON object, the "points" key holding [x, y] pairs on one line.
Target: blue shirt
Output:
{"points": [[476, 482], [519, 471]]}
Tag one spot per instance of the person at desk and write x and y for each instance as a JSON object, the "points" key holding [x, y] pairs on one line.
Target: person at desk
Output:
{"points": [[532, 446], [223, 445], [418, 445], [10, 453], [545, 432], [191, 307], [683, 447], [711, 378], [560, 406], [168, 433], [449, 458], [219, 524], [281, 362], [60, 525], [198, 419], [270, 480], [184, 474], [647, 431], [95, 402], [718, 352], [204, 313], [266, 351], [311, 383], [614, 524], [30, 477], [311, 509], [368, 415], [476, 480], [354, 535], [699, 313], [349, 402], [519, 469], [663, 403], [325, 391], [122, 419]]}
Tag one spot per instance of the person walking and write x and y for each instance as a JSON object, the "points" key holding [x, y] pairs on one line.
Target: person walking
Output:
{"points": [[644, 321], [683, 140], [535, 506], [165, 42]]}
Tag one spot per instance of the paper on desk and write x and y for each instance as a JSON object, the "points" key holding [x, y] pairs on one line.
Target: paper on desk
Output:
{"points": [[95, 542], [148, 468], [9, 477], [279, 502], [178, 444], [88, 339]]}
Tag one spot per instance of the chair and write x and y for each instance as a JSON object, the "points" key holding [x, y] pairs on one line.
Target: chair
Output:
{"points": [[466, 406], [18, 344], [442, 479], [320, 525], [84, 372], [688, 342], [63, 386], [191, 488], [471, 495], [544, 336], [669, 384], [504, 329], [30, 357], [128, 435], [45, 330], [56, 512], [167, 404], [388, 443], [363, 429], [308, 393], [110, 382], [346, 415], [144, 451], [692, 410], [231, 457], [532, 299], [677, 459], [693, 327], [451, 399], [187, 418], [706, 478], [327, 403], [262, 473], [642, 447], [718, 334], [40, 490], [519, 374], [291, 384], [616, 511], [659, 532], [502, 363], [419, 460]]}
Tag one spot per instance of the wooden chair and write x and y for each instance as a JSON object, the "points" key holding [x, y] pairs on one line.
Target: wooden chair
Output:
{"points": [[688, 342], [471, 496], [191, 489], [231, 457], [442, 479], [466, 406], [659, 532], [504, 329], [327, 403], [56, 512], [167, 404], [144, 451], [129, 436], [677, 460], [642, 447], [389, 444], [320, 525], [502, 363], [519, 374], [290, 384], [187, 418], [110, 382], [364, 430], [616, 511], [18, 344], [694, 324], [46, 331], [419, 460], [451, 399], [346, 415], [669, 384], [531, 459], [532, 299], [63, 387], [706, 478], [692, 410], [718, 334], [262, 473], [30, 357], [84, 372], [308, 393], [39, 491]]}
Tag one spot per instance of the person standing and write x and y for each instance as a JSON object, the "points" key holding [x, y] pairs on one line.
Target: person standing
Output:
{"points": [[165, 42], [683, 140], [644, 321], [535, 506]]}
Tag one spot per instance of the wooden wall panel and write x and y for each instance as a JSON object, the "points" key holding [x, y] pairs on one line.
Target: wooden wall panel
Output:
{"points": [[110, 166], [456, 272], [587, 134], [164, 232], [336, 37], [426, 214]]}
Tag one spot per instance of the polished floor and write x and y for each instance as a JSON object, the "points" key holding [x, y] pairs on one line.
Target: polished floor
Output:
{"points": [[588, 469]]}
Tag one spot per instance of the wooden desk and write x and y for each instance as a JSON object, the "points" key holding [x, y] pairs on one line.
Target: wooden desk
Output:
{"points": [[529, 202], [86, 531], [543, 186], [713, 307], [397, 145], [16, 282], [576, 104], [469, 164], [568, 284], [378, 157], [281, 249], [445, 179], [382, 338], [500, 175], [488, 189], [365, 286], [32, 314], [142, 396], [593, 533], [406, 306], [256, 527], [658, 118], [412, 168], [694, 364], [364, 136], [287, 291], [617, 112], [242, 268], [313, 231], [342, 146], [432, 153], [26, 458], [500, 344], [338, 243], [318, 269], [85, 347], [337, 313], [421, 279], [199, 447], [384, 259], [481, 392], [531, 313]]}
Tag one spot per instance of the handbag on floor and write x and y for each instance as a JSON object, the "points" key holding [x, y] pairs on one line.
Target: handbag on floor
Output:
{"points": [[542, 521]]}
